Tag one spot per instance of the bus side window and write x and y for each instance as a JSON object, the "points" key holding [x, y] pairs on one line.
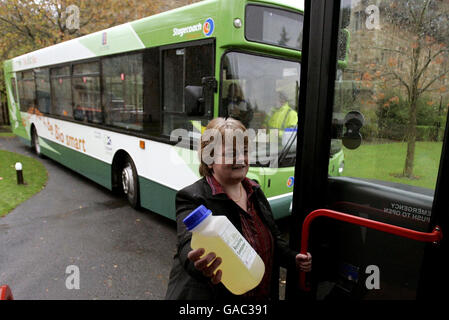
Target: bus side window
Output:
{"points": [[123, 91], [61, 91], [43, 89], [184, 67], [86, 92], [14, 89], [27, 92]]}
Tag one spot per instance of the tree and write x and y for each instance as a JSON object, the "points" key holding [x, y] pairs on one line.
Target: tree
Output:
{"points": [[284, 39], [419, 67], [28, 25]]}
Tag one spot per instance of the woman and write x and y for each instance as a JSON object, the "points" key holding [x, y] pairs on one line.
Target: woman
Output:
{"points": [[225, 190]]}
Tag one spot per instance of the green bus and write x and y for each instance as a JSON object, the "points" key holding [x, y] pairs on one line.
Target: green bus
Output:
{"points": [[106, 104]]}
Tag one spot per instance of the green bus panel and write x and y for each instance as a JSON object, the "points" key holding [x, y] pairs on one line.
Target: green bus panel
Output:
{"points": [[91, 168], [157, 198]]}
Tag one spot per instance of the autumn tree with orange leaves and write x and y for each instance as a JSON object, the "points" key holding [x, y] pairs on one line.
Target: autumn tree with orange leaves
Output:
{"points": [[28, 25], [417, 68]]}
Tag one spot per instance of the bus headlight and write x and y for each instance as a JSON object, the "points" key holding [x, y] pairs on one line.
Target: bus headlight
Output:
{"points": [[237, 23]]}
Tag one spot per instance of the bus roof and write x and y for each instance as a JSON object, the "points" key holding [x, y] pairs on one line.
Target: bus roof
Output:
{"points": [[135, 35]]}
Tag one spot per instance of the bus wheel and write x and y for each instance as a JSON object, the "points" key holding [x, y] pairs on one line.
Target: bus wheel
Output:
{"points": [[130, 183], [35, 142]]}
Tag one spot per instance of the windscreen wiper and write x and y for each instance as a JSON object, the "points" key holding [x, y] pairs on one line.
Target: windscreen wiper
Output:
{"points": [[286, 149]]}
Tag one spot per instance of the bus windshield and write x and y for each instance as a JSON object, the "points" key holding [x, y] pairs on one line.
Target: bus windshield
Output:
{"points": [[262, 92]]}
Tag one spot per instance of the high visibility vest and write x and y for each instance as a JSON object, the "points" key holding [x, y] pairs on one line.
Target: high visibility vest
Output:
{"points": [[196, 124], [284, 117]]}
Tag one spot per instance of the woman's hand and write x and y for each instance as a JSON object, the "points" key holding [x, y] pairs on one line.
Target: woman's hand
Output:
{"points": [[204, 264], [304, 262]]}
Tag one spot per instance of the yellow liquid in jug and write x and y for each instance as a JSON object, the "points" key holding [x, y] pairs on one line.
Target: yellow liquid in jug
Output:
{"points": [[236, 277]]}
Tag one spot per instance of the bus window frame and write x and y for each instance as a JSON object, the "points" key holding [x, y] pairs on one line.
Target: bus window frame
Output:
{"points": [[70, 65], [15, 95], [184, 45], [118, 55], [259, 54], [317, 89], [99, 74], [49, 85], [160, 138], [22, 78], [278, 8]]}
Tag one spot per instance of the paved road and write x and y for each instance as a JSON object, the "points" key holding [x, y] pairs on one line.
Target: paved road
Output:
{"points": [[121, 253]]}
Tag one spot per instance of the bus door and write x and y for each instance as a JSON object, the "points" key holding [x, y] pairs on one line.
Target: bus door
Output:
{"points": [[388, 104], [188, 86]]}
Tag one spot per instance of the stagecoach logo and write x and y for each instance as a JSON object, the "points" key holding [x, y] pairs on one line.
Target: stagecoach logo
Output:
{"points": [[290, 182], [207, 27]]}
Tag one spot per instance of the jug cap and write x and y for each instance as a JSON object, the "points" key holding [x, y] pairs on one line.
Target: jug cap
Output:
{"points": [[196, 217]]}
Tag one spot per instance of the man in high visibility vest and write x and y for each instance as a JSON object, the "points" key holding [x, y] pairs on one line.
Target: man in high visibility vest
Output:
{"points": [[283, 116]]}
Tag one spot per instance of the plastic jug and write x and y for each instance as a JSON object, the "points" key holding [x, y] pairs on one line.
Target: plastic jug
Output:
{"points": [[242, 268]]}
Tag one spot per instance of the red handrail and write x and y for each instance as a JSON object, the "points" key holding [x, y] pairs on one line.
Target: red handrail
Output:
{"points": [[5, 293], [435, 236]]}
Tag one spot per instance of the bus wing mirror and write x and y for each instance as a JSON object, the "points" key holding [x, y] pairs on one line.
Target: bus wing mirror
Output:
{"points": [[348, 129], [210, 86], [352, 141], [353, 122], [194, 101]]}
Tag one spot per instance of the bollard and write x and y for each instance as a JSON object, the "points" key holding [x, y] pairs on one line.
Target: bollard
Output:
{"points": [[19, 173]]}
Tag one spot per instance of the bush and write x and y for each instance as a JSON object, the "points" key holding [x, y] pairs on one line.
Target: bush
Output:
{"points": [[426, 133], [393, 114], [370, 130], [392, 117], [387, 112]]}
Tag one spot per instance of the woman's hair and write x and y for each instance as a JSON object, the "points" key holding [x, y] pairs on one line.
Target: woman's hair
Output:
{"points": [[217, 126]]}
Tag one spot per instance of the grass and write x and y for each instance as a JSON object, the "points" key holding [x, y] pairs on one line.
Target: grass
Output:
{"points": [[12, 194], [386, 162]]}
